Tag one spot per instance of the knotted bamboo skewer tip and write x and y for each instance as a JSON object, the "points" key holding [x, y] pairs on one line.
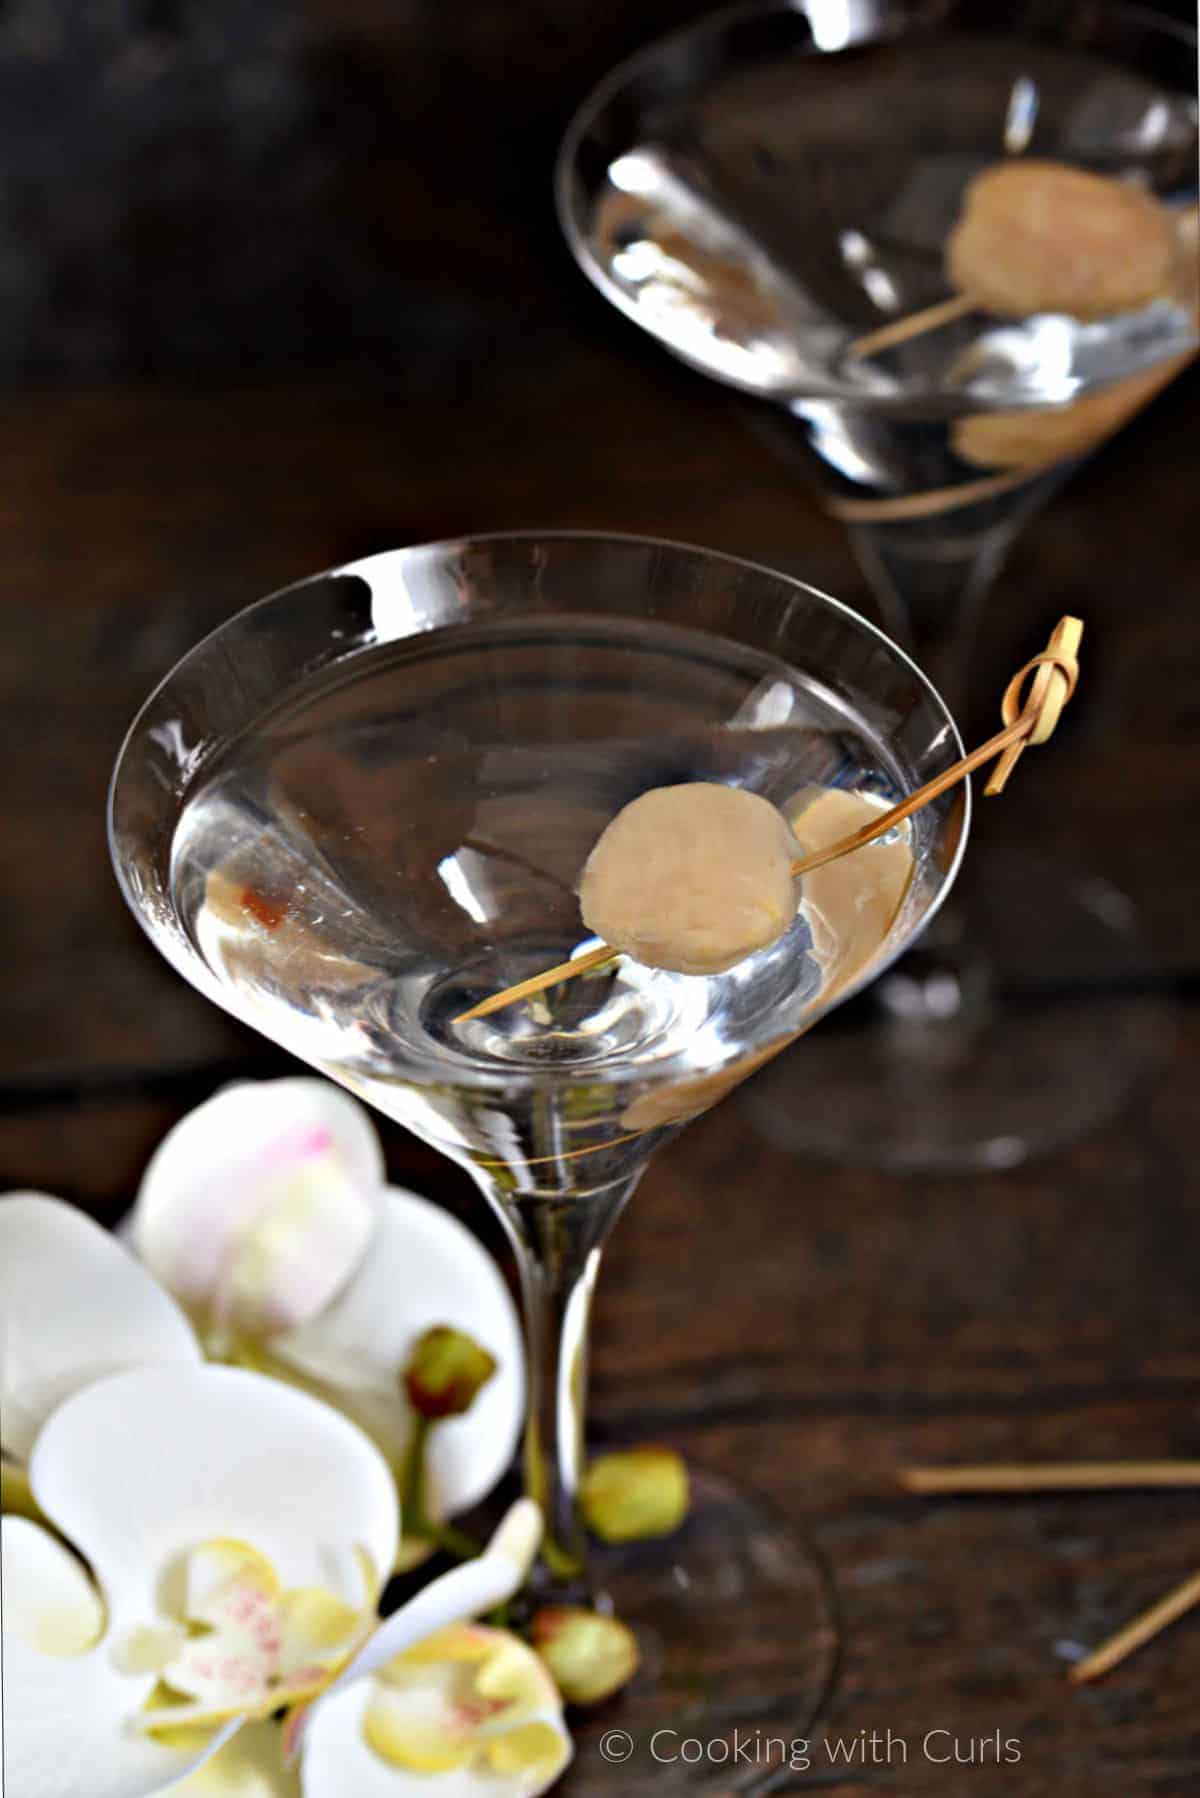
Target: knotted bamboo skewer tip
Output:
{"points": [[1055, 676]]}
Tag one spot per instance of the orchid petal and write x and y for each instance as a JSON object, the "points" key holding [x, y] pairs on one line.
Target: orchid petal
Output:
{"points": [[213, 1566], [232, 1661], [317, 1630], [49, 1600], [338, 1759], [150, 1648], [259, 1204], [64, 1714], [534, 1752], [250, 1766], [412, 1730], [424, 1268], [466, 1591], [74, 1305], [221, 1453], [472, 1706]]}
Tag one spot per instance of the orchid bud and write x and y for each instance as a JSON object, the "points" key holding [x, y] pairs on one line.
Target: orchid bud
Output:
{"points": [[634, 1494], [445, 1372], [589, 1656]]}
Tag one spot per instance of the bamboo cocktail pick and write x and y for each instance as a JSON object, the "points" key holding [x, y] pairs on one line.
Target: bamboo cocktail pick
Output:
{"points": [[1027, 720], [913, 324]]}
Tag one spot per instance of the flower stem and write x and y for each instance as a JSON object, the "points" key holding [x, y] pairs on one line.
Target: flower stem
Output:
{"points": [[414, 1507]]}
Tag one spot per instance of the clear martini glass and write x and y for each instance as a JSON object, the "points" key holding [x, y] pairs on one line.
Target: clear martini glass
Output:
{"points": [[760, 192], [364, 804]]}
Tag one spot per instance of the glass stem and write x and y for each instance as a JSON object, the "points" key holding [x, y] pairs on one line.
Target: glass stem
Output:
{"points": [[558, 1243]]}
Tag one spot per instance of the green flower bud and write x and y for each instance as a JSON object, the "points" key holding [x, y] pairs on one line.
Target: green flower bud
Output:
{"points": [[445, 1371], [589, 1656], [640, 1492]]}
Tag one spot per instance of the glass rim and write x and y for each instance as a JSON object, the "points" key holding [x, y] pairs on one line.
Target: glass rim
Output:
{"points": [[482, 1078]]}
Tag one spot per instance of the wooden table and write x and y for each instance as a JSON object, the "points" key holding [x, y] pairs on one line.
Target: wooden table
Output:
{"points": [[816, 1328]]}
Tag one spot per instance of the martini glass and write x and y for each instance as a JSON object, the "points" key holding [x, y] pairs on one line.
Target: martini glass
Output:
{"points": [[761, 191], [364, 804]]}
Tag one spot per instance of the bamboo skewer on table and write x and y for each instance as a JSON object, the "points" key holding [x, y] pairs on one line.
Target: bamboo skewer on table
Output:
{"points": [[1079, 1476], [1135, 1635], [1065, 1476], [1027, 721]]}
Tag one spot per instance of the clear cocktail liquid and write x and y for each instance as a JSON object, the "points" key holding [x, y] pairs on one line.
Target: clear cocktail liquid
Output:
{"points": [[405, 838]]}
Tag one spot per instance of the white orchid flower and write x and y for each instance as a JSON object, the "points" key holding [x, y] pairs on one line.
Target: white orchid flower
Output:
{"points": [[74, 1305], [259, 1205], [224, 1534], [506, 1716], [469, 1712], [219, 1537]]}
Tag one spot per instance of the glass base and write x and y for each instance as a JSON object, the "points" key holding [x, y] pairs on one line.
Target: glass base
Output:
{"points": [[736, 1623], [1026, 1020]]}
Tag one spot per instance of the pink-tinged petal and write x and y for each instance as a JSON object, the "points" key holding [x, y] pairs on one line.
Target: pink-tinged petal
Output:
{"points": [[260, 1204], [214, 1569], [259, 1650], [74, 1305], [233, 1591]]}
